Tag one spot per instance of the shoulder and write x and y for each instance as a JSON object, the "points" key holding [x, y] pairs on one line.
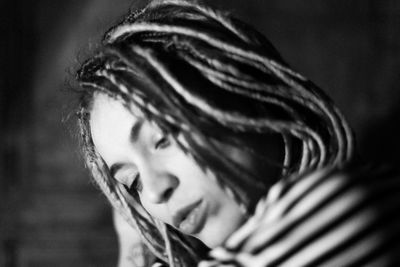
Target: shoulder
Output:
{"points": [[331, 217]]}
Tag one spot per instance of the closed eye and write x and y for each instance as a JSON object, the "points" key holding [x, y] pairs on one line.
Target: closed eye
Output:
{"points": [[136, 186], [163, 142]]}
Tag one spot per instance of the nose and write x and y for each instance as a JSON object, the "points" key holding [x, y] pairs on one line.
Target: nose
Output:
{"points": [[158, 184]]}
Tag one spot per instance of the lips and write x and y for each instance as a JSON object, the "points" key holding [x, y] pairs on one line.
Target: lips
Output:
{"points": [[191, 219]]}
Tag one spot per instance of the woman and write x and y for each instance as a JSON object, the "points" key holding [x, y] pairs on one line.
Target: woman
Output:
{"points": [[196, 130]]}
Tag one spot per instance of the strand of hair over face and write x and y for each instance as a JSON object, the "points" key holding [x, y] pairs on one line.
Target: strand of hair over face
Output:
{"points": [[153, 232], [102, 178], [233, 60]]}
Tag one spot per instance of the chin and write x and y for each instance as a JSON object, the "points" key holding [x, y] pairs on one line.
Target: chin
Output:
{"points": [[214, 242], [216, 235]]}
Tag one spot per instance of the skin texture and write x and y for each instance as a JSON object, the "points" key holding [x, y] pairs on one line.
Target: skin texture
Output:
{"points": [[166, 178]]}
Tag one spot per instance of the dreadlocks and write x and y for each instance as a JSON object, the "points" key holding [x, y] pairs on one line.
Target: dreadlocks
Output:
{"points": [[207, 76]]}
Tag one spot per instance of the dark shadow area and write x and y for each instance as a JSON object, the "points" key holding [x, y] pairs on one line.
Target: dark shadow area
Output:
{"points": [[380, 142]]}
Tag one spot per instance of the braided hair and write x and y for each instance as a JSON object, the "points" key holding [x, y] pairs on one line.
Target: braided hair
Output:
{"points": [[208, 76]]}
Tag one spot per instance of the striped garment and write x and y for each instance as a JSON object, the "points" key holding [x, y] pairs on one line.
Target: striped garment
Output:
{"points": [[332, 217]]}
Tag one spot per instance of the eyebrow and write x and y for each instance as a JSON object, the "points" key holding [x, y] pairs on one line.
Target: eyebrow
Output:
{"points": [[133, 136], [135, 130]]}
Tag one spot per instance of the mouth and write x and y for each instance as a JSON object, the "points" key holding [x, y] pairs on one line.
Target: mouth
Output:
{"points": [[191, 219]]}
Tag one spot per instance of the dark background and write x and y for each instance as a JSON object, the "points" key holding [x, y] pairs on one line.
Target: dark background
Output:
{"points": [[51, 214]]}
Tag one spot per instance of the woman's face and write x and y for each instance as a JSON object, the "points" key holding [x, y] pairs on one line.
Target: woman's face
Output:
{"points": [[171, 185]]}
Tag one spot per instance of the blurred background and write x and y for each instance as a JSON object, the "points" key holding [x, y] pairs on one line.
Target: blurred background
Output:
{"points": [[51, 214]]}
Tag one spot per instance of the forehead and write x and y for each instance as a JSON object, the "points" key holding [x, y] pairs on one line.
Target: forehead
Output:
{"points": [[101, 99], [107, 111], [110, 123]]}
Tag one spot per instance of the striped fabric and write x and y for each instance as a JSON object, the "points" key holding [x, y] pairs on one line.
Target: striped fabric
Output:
{"points": [[332, 217]]}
